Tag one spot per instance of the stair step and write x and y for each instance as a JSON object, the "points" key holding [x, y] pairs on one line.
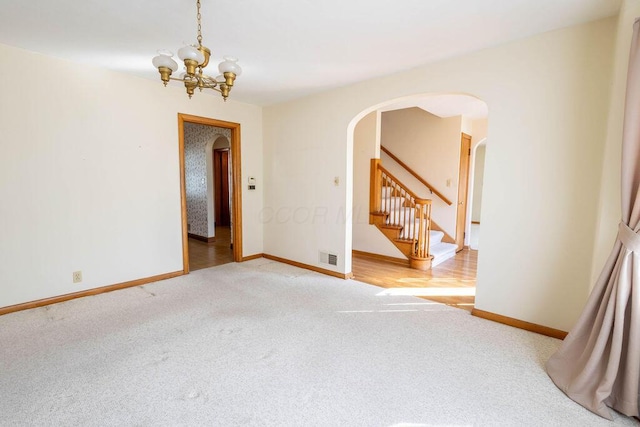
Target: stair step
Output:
{"points": [[435, 237], [405, 246], [442, 252], [401, 240], [399, 215], [391, 226], [379, 218], [391, 231]]}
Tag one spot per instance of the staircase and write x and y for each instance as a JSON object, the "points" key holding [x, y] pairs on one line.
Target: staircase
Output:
{"points": [[405, 219]]}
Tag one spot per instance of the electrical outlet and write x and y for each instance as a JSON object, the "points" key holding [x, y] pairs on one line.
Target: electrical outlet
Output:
{"points": [[77, 276]]}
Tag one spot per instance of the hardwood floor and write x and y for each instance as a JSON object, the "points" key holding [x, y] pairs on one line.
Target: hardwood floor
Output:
{"points": [[453, 282], [203, 255]]}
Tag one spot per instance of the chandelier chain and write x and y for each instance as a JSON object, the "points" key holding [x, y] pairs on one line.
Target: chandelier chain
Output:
{"points": [[199, 24]]}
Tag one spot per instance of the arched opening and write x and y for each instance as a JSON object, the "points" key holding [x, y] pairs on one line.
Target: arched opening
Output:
{"points": [[420, 142], [220, 188], [476, 183]]}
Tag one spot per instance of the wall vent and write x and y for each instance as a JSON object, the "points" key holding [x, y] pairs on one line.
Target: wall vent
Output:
{"points": [[327, 258]]}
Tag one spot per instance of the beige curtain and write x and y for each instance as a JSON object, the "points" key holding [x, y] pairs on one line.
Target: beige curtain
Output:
{"points": [[598, 364]]}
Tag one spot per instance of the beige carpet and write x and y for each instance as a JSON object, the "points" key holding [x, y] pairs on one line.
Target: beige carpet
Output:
{"points": [[265, 344]]}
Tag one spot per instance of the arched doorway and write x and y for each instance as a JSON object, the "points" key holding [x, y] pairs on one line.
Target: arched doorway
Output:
{"points": [[418, 140], [222, 182]]}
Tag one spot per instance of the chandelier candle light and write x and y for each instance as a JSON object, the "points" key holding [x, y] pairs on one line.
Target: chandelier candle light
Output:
{"points": [[195, 59]]}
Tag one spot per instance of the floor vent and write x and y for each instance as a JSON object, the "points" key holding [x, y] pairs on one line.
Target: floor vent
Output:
{"points": [[327, 258]]}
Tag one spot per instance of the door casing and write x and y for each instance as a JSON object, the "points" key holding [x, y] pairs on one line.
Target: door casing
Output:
{"points": [[463, 189], [236, 198]]}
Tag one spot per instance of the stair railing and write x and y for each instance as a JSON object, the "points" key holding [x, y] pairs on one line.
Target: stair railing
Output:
{"points": [[389, 196], [402, 164]]}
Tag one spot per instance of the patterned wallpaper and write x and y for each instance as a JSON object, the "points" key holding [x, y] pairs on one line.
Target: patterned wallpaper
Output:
{"points": [[195, 169]]}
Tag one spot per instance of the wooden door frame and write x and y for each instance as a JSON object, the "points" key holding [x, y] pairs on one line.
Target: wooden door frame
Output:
{"points": [[236, 198], [463, 141]]}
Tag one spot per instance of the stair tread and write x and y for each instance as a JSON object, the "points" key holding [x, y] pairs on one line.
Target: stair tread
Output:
{"points": [[442, 248], [442, 252], [400, 239], [392, 226]]}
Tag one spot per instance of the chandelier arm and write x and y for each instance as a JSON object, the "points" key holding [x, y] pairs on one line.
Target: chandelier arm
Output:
{"points": [[207, 83], [210, 80]]}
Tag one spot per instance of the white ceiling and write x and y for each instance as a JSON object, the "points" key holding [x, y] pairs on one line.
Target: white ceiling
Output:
{"points": [[287, 48], [446, 105]]}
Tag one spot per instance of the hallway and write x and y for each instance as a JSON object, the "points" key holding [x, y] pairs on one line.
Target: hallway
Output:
{"points": [[203, 255]]}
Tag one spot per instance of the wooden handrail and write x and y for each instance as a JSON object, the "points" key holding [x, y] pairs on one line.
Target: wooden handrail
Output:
{"points": [[416, 176]]}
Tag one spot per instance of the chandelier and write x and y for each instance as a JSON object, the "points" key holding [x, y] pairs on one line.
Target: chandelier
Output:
{"points": [[196, 58]]}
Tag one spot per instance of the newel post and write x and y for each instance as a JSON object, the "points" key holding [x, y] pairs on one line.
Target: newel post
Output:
{"points": [[421, 258], [375, 188]]}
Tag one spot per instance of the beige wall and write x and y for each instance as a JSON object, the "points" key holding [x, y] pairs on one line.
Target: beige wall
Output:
{"points": [[478, 176], [547, 124], [429, 145], [609, 209], [479, 129], [89, 176]]}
